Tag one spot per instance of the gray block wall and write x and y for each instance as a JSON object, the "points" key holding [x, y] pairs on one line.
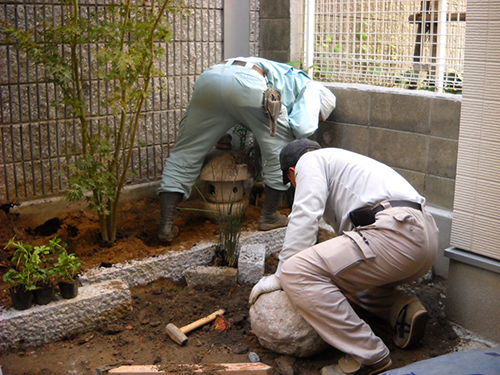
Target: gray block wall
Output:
{"points": [[281, 30], [275, 30], [415, 132], [35, 137]]}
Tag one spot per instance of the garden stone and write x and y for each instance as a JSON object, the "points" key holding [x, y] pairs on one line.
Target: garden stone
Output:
{"points": [[251, 263], [285, 365], [210, 276], [280, 328]]}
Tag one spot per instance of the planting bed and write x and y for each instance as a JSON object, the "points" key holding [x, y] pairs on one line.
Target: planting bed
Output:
{"points": [[140, 335]]}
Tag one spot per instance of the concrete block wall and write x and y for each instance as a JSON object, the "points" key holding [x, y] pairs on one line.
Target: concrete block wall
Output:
{"points": [[415, 132], [35, 137], [275, 30], [281, 30]]}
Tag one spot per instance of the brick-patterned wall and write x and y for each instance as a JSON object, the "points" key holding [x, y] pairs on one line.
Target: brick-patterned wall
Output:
{"points": [[34, 137]]}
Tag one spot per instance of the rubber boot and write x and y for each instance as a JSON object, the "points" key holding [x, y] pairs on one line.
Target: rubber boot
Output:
{"points": [[270, 218], [169, 202]]}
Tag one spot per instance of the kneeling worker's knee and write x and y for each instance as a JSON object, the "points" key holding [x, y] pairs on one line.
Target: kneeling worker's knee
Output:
{"points": [[287, 276]]}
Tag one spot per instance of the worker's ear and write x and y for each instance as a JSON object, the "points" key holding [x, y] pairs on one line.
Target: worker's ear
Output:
{"points": [[291, 175]]}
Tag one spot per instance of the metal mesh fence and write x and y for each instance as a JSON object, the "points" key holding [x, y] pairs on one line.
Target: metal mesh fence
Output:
{"points": [[36, 137], [393, 43]]}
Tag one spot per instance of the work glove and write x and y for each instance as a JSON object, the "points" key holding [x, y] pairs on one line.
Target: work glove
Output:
{"points": [[267, 284]]}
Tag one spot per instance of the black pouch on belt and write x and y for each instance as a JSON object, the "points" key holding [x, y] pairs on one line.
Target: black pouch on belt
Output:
{"points": [[272, 105], [362, 216]]}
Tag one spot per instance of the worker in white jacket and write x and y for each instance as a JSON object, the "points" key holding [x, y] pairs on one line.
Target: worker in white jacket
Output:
{"points": [[384, 238]]}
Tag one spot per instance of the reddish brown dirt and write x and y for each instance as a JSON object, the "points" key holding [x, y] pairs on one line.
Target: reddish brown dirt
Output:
{"points": [[140, 336]]}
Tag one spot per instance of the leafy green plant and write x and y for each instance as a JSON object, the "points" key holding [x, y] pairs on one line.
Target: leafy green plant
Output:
{"points": [[32, 265], [123, 41], [67, 266], [229, 218], [452, 82]]}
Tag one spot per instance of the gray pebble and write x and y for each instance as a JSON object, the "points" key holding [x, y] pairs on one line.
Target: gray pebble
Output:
{"points": [[253, 357], [240, 349]]}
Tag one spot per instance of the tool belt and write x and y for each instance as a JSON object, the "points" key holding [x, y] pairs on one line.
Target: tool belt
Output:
{"points": [[272, 105], [366, 215]]}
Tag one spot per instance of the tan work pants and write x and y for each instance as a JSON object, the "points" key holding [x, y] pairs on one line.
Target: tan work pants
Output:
{"points": [[399, 247]]}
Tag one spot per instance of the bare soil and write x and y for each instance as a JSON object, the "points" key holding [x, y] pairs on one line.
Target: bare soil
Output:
{"points": [[140, 335]]}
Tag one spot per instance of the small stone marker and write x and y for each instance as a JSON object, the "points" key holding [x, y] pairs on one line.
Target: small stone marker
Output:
{"points": [[251, 263], [205, 276]]}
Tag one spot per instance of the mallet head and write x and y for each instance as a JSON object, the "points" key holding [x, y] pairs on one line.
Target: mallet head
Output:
{"points": [[176, 334]]}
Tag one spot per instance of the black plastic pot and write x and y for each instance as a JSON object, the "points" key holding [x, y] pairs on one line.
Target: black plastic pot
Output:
{"points": [[69, 290], [43, 296], [21, 299]]}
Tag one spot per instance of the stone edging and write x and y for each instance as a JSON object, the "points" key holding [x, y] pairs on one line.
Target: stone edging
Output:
{"points": [[105, 296]]}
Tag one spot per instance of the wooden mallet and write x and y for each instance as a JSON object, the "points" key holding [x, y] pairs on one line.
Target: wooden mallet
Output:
{"points": [[179, 335]]}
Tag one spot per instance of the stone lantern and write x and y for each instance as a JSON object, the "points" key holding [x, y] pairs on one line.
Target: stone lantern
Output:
{"points": [[227, 175]]}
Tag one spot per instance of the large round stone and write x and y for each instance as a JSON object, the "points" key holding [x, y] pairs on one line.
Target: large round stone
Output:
{"points": [[280, 328]]}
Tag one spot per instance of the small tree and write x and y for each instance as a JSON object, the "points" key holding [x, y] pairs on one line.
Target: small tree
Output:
{"points": [[124, 45]]}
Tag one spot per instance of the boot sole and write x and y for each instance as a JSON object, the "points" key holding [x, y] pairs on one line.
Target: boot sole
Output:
{"points": [[417, 329]]}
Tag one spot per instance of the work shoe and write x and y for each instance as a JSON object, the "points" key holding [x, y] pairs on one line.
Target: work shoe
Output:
{"points": [[348, 365], [410, 325], [274, 221]]}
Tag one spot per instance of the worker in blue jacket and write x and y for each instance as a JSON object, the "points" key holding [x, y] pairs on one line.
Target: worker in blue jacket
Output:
{"points": [[275, 101]]}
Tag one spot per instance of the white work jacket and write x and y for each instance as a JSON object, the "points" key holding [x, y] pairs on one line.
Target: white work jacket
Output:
{"points": [[332, 182]]}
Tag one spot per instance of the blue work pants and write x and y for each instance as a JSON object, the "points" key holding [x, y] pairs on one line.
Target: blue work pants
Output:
{"points": [[224, 96]]}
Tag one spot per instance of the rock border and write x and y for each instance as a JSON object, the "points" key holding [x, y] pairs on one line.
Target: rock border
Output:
{"points": [[94, 306], [105, 295]]}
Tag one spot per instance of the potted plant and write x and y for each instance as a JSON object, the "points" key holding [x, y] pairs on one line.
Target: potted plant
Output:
{"points": [[21, 277], [67, 268], [45, 274], [32, 277]]}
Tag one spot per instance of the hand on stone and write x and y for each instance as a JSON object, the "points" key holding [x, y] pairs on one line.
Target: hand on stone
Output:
{"points": [[265, 285]]}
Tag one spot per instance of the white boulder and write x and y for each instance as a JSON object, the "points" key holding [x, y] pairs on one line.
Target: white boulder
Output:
{"points": [[280, 328]]}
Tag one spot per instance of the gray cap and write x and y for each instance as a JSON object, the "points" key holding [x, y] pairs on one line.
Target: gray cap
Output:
{"points": [[291, 153]]}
